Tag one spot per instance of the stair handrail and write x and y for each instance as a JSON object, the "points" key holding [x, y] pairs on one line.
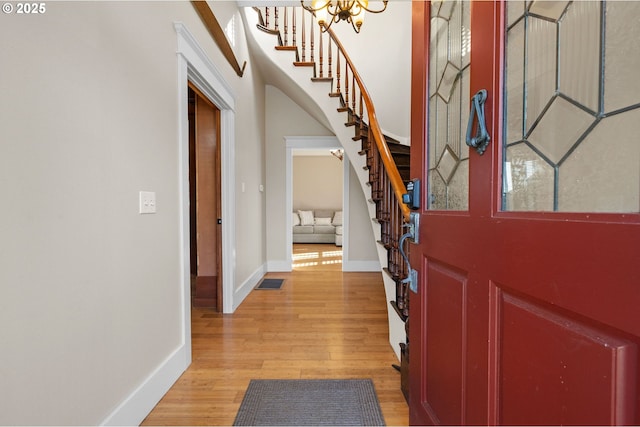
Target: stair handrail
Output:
{"points": [[396, 181]]}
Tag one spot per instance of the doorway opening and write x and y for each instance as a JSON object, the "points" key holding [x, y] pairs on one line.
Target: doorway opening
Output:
{"points": [[205, 201], [317, 194]]}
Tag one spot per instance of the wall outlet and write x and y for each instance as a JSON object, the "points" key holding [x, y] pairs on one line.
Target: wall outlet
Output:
{"points": [[147, 202]]}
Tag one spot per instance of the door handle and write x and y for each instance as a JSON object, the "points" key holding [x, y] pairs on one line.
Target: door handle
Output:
{"points": [[481, 138]]}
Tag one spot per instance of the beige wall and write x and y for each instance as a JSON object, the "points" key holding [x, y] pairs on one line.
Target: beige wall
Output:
{"points": [[362, 245], [317, 182], [285, 118], [90, 296]]}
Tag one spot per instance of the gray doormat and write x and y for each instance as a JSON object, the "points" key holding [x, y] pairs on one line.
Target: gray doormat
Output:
{"points": [[310, 403], [270, 284]]}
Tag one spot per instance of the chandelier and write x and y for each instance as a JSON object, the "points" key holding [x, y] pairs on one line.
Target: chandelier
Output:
{"points": [[341, 10]]}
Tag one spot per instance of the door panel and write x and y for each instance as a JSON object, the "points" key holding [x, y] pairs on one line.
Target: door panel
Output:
{"points": [[446, 330], [527, 303], [567, 371]]}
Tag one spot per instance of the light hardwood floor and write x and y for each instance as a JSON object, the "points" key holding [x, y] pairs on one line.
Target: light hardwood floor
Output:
{"points": [[322, 324]]}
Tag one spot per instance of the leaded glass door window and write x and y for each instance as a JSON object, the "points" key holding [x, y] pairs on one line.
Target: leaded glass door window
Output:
{"points": [[449, 77], [572, 106]]}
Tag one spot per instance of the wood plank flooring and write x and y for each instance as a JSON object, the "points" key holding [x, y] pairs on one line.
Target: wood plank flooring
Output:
{"points": [[322, 324]]}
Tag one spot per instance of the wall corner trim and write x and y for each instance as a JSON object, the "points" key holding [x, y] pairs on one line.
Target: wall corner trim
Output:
{"points": [[137, 405]]}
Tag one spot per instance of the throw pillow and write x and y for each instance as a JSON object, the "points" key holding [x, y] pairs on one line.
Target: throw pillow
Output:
{"points": [[296, 219], [337, 218], [323, 221], [306, 217]]}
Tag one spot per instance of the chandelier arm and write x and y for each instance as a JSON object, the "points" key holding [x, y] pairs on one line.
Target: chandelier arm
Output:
{"points": [[384, 7], [337, 8]]}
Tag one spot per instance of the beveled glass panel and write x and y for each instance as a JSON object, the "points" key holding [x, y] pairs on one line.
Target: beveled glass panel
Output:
{"points": [[622, 55], [449, 79], [459, 187], [559, 129], [447, 164], [603, 173], [528, 180], [465, 99], [514, 11], [465, 33], [433, 132], [454, 111], [541, 67], [439, 47], [515, 83], [549, 9], [446, 9], [437, 191], [580, 150], [437, 54], [580, 53], [455, 52], [442, 125]]}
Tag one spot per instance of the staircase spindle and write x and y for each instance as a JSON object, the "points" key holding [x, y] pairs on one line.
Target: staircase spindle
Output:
{"points": [[330, 55], [286, 26], [304, 41], [266, 16], [361, 116], [311, 31], [275, 17], [338, 71], [320, 52], [346, 84], [293, 26], [353, 96]]}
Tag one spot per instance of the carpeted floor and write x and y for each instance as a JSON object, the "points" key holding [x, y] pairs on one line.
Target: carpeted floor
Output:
{"points": [[310, 403]]}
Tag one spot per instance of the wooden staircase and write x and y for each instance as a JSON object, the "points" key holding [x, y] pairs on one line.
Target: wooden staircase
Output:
{"points": [[387, 160]]}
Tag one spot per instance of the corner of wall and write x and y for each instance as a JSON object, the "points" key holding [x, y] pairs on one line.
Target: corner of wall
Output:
{"points": [[139, 403]]}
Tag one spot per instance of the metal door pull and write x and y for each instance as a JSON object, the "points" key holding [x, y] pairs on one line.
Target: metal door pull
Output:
{"points": [[481, 138]]}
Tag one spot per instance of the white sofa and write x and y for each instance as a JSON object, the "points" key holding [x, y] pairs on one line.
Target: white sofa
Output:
{"points": [[317, 226]]}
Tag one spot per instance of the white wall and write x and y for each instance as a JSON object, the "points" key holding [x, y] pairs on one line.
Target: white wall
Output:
{"points": [[90, 292], [387, 74], [317, 182]]}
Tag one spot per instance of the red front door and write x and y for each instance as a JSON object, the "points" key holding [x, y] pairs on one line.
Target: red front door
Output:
{"points": [[528, 303]]}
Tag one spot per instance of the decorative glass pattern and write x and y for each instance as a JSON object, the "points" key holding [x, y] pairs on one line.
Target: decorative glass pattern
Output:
{"points": [[449, 74], [572, 106]]}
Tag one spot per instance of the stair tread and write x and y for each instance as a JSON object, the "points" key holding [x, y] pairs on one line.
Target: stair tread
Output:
{"points": [[304, 64], [286, 47], [321, 79]]}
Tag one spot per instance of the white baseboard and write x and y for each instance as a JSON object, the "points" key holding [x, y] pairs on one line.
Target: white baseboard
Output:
{"points": [[245, 289], [360, 266], [279, 266], [133, 410]]}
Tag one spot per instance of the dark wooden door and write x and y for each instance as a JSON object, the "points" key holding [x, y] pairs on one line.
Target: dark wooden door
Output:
{"points": [[528, 305], [206, 196]]}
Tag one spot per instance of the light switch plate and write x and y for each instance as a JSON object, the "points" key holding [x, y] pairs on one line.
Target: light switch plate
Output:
{"points": [[147, 202]]}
